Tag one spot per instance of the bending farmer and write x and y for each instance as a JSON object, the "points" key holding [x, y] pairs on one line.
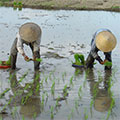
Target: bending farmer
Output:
{"points": [[103, 40], [29, 34]]}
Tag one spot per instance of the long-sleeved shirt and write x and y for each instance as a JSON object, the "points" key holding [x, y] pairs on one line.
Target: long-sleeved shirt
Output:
{"points": [[94, 49], [20, 43]]}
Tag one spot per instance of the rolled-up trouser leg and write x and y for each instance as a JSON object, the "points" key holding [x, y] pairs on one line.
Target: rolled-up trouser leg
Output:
{"points": [[36, 63], [109, 58], [89, 61], [13, 54]]}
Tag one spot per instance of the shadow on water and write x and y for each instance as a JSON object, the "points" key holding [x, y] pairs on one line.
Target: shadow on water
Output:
{"points": [[100, 91], [26, 97], [101, 95]]}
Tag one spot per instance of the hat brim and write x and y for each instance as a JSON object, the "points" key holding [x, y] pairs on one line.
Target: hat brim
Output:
{"points": [[105, 41]]}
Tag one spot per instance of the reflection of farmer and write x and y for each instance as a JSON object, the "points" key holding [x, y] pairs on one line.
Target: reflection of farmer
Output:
{"points": [[102, 97], [102, 40], [29, 100], [29, 34]]}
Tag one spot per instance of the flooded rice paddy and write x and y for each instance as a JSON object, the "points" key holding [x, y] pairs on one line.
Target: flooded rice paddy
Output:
{"points": [[59, 91]]}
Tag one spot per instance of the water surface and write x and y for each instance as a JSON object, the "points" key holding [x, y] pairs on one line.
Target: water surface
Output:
{"points": [[64, 33]]}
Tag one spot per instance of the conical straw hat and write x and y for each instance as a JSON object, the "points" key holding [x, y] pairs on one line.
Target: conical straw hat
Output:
{"points": [[105, 41], [30, 32]]}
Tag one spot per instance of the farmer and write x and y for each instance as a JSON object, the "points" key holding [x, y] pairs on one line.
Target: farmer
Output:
{"points": [[29, 34], [103, 40]]}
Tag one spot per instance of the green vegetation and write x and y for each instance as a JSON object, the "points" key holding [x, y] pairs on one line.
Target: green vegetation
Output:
{"points": [[48, 4], [71, 80], [107, 63], [65, 91], [38, 59], [79, 59], [52, 112], [8, 62], [80, 92], [3, 93], [85, 114], [45, 94], [115, 7], [53, 88], [5, 0]]}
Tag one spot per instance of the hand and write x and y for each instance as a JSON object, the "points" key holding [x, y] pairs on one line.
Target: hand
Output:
{"points": [[103, 62], [26, 58], [34, 58]]}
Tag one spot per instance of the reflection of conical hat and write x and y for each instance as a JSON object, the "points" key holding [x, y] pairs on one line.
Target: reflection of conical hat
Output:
{"points": [[105, 41], [102, 104], [30, 32], [31, 107]]}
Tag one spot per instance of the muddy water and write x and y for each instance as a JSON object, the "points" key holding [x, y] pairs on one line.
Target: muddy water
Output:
{"points": [[60, 91]]}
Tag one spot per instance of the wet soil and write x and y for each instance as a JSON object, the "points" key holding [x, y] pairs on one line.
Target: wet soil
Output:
{"points": [[108, 5]]}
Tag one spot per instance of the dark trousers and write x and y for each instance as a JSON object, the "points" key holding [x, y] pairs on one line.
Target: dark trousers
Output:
{"points": [[90, 60], [14, 51]]}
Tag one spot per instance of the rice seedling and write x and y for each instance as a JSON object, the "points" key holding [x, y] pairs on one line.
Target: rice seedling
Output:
{"points": [[85, 80], [111, 106], [43, 99], [110, 84], [46, 94], [34, 116], [23, 77], [65, 91], [50, 74], [76, 105], [108, 63], [41, 83], [57, 103], [71, 114], [5, 106], [46, 78], [65, 88], [71, 81], [63, 76], [85, 114], [69, 117], [91, 103], [23, 118], [86, 117], [79, 59], [14, 111], [53, 88], [80, 92], [37, 88], [5, 91], [52, 112], [1, 117]]}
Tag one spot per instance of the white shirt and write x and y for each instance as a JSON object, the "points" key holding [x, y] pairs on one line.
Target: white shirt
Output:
{"points": [[20, 43]]}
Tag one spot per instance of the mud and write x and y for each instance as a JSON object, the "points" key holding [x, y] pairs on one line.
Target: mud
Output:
{"points": [[107, 5]]}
